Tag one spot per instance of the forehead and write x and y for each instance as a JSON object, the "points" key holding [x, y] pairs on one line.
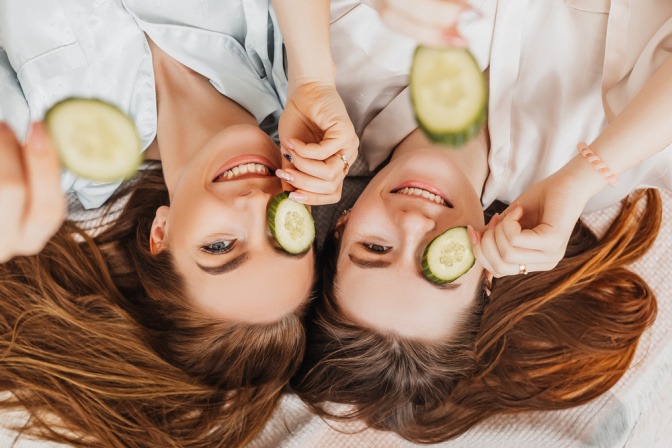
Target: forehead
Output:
{"points": [[263, 289], [396, 300]]}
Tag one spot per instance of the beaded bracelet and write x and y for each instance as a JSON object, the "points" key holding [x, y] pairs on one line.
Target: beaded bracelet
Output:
{"points": [[597, 163]]}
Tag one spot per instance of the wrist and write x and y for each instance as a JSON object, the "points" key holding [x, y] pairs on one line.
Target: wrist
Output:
{"points": [[324, 74], [582, 179]]}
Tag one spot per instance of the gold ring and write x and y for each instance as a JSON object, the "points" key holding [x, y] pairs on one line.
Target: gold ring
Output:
{"points": [[346, 165], [522, 269]]}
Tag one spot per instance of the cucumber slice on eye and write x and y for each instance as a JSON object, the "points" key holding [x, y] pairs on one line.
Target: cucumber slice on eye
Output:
{"points": [[94, 139], [291, 224], [448, 256], [449, 94]]}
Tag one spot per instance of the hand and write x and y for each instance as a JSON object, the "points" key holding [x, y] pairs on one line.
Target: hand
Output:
{"points": [[314, 130], [430, 22], [533, 231], [33, 206]]}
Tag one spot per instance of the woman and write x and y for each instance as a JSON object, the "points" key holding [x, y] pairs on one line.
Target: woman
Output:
{"points": [[430, 361], [189, 268]]}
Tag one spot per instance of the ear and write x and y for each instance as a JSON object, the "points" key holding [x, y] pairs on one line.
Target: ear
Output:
{"points": [[340, 224], [157, 236]]}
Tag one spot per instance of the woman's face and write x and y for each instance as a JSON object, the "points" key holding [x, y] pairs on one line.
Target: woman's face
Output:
{"points": [[380, 282], [217, 231]]}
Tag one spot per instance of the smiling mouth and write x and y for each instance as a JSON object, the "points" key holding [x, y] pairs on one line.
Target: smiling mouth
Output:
{"points": [[421, 193], [244, 171], [244, 167]]}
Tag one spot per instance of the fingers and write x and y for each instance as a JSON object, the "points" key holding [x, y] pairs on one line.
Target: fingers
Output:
{"points": [[46, 206], [32, 204], [429, 12], [320, 182], [331, 144], [439, 36], [495, 249], [309, 198], [432, 22], [303, 181], [12, 191], [331, 169]]}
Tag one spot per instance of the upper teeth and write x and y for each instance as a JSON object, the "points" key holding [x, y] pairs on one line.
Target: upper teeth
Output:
{"points": [[424, 193], [244, 169]]}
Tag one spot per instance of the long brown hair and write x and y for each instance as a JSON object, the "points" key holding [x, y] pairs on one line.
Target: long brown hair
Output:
{"points": [[101, 346], [548, 340]]}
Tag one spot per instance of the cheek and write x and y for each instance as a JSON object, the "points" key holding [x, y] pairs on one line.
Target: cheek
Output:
{"points": [[187, 219], [474, 213], [368, 217]]}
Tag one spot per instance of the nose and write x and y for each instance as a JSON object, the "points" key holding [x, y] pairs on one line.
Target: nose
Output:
{"points": [[253, 204], [415, 226], [415, 223], [253, 199]]}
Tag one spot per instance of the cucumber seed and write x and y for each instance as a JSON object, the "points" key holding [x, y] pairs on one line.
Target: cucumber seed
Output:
{"points": [[294, 224], [452, 253]]}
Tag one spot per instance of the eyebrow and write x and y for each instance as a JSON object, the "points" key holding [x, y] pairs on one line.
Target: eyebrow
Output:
{"points": [[377, 264], [226, 267], [240, 260]]}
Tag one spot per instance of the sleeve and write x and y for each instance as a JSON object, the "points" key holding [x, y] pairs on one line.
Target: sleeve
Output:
{"points": [[13, 106], [372, 66], [629, 63]]}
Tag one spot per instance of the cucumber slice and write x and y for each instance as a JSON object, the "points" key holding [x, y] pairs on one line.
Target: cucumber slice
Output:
{"points": [[449, 94], [291, 224], [94, 139], [448, 256]]}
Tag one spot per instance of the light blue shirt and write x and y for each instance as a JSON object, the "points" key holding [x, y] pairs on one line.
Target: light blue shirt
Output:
{"points": [[51, 50]]}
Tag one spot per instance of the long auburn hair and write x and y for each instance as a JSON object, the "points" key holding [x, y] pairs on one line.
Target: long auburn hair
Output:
{"points": [[546, 341], [100, 344]]}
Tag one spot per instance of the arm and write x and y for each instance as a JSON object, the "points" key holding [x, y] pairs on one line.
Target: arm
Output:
{"points": [[305, 29], [642, 130], [536, 233], [315, 130]]}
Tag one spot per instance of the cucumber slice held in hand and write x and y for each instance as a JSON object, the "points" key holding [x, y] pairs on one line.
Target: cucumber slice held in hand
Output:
{"points": [[448, 256], [449, 94], [94, 139], [291, 224]]}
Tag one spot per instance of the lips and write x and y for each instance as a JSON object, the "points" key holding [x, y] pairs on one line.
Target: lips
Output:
{"points": [[244, 167], [423, 190]]}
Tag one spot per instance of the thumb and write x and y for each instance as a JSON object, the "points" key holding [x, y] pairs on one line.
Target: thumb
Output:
{"points": [[513, 212], [41, 157]]}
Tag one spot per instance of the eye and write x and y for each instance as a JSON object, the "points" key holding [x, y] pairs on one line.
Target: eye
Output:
{"points": [[218, 247], [376, 248]]}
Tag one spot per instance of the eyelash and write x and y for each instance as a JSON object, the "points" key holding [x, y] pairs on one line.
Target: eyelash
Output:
{"points": [[208, 249], [376, 248]]}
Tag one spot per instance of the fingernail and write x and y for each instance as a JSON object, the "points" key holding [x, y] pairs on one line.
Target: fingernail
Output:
{"points": [[36, 137], [473, 236], [452, 37], [298, 197], [282, 174]]}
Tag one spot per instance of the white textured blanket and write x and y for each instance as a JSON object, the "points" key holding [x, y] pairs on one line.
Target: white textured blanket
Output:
{"points": [[635, 413]]}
